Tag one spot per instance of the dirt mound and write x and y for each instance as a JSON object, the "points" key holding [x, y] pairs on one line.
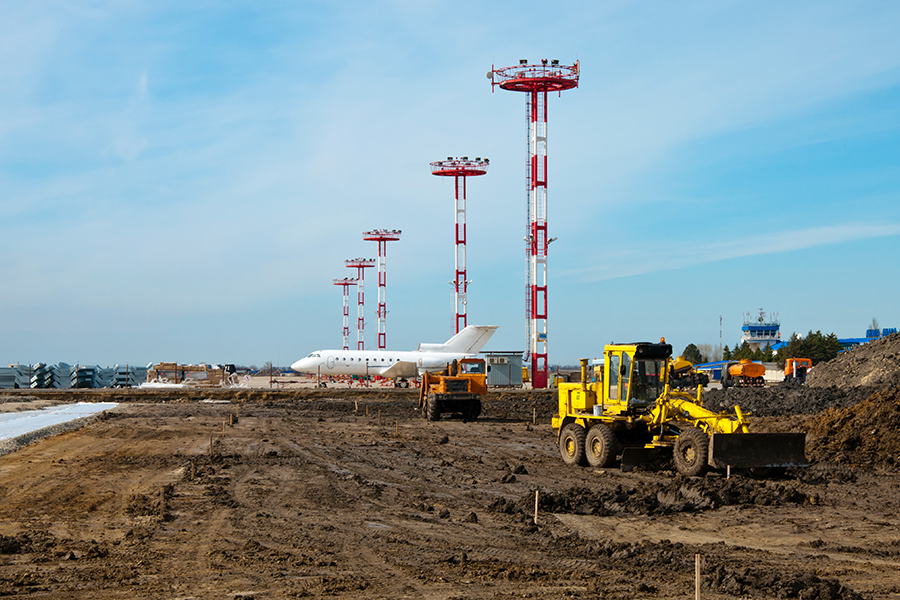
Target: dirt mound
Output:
{"points": [[865, 434], [719, 576], [876, 363], [749, 581], [784, 399], [685, 495]]}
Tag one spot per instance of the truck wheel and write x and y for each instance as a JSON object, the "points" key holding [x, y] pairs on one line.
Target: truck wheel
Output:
{"points": [[474, 410], [431, 409], [571, 444], [692, 452], [600, 446]]}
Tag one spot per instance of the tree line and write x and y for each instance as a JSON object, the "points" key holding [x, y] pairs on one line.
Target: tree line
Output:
{"points": [[816, 346]]}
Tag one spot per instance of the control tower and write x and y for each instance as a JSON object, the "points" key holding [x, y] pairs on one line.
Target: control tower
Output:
{"points": [[762, 330]]}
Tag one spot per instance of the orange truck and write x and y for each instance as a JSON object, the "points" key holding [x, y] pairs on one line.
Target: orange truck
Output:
{"points": [[456, 390], [796, 369], [743, 373]]}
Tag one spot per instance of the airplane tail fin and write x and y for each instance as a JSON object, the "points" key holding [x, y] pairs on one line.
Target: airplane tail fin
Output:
{"points": [[468, 341]]}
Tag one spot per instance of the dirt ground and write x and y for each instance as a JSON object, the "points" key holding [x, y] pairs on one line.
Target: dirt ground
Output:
{"points": [[351, 494]]}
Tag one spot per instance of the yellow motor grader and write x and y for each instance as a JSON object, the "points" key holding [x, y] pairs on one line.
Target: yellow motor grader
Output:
{"points": [[632, 412]]}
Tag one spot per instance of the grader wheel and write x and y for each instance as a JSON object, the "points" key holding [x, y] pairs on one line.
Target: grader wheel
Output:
{"points": [[572, 445], [600, 446], [692, 452]]}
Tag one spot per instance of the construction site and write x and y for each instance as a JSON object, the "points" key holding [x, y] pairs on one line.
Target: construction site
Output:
{"points": [[351, 493]]}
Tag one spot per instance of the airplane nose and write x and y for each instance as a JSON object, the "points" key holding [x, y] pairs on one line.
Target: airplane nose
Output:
{"points": [[297, 366]]}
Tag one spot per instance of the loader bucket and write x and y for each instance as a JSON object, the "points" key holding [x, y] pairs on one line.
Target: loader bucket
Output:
{"points": [[751, 450]]}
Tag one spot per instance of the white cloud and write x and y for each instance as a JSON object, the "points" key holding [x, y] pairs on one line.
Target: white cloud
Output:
{"points": [[658, 257]]}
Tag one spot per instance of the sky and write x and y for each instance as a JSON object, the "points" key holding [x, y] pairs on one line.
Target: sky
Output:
{"points": [[184, 181]]}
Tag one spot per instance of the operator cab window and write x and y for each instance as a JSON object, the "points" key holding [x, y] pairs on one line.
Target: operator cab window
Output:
{"points": [[648, 381], [614, 362], [626, 373]]}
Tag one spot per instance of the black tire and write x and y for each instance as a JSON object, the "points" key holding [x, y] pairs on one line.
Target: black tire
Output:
{"points": [[571, 445], [692, 452], [431, 409], [474, 410], [600, 446]]}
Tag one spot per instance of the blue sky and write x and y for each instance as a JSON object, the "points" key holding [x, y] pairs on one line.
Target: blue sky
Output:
{"points": [[182, 181]]}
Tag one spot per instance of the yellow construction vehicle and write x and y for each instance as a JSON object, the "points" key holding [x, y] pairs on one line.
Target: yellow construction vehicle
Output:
{"points": [[632, 412], [682, 375], [457, 390]]}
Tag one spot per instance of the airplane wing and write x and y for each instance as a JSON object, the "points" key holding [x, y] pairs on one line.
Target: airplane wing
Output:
{"points": [[402, 368]]}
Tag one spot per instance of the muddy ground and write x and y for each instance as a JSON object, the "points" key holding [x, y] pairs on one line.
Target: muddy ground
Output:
{"points": [[350, 494]]}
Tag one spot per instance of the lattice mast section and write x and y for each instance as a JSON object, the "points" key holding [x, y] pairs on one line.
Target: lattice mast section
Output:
{"points": [[460, 169], [382, 236], [537, 81], [360, 264], [346, 283]]}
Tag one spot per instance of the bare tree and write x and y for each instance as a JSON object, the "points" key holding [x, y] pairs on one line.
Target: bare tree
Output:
{"points": [[709, 352]]}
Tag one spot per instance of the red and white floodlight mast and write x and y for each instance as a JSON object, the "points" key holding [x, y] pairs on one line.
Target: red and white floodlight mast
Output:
{"points": [[537, 81], [459, 169], [382, 236], [360, 264], [346, 282]]}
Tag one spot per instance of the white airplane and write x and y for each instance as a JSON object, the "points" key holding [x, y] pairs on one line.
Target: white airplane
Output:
{"points": [[392, 363]]}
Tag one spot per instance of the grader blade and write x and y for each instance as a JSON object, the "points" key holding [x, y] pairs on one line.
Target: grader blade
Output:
{"points": [[751, 450]]}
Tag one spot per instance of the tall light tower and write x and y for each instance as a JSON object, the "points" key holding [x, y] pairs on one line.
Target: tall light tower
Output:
{"points": [[382, 236], [537, 81], [459, 169], [360, 264], [346, 282]]}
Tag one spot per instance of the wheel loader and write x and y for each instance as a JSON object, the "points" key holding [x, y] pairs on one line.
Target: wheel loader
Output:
{"points": [[457, 390], [632, 413]]}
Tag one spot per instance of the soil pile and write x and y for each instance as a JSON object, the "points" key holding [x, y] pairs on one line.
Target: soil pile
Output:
{"points": [[784, 399], [875, 364], [751, 581], [865, 434], [837, 384], [685, 495]]}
